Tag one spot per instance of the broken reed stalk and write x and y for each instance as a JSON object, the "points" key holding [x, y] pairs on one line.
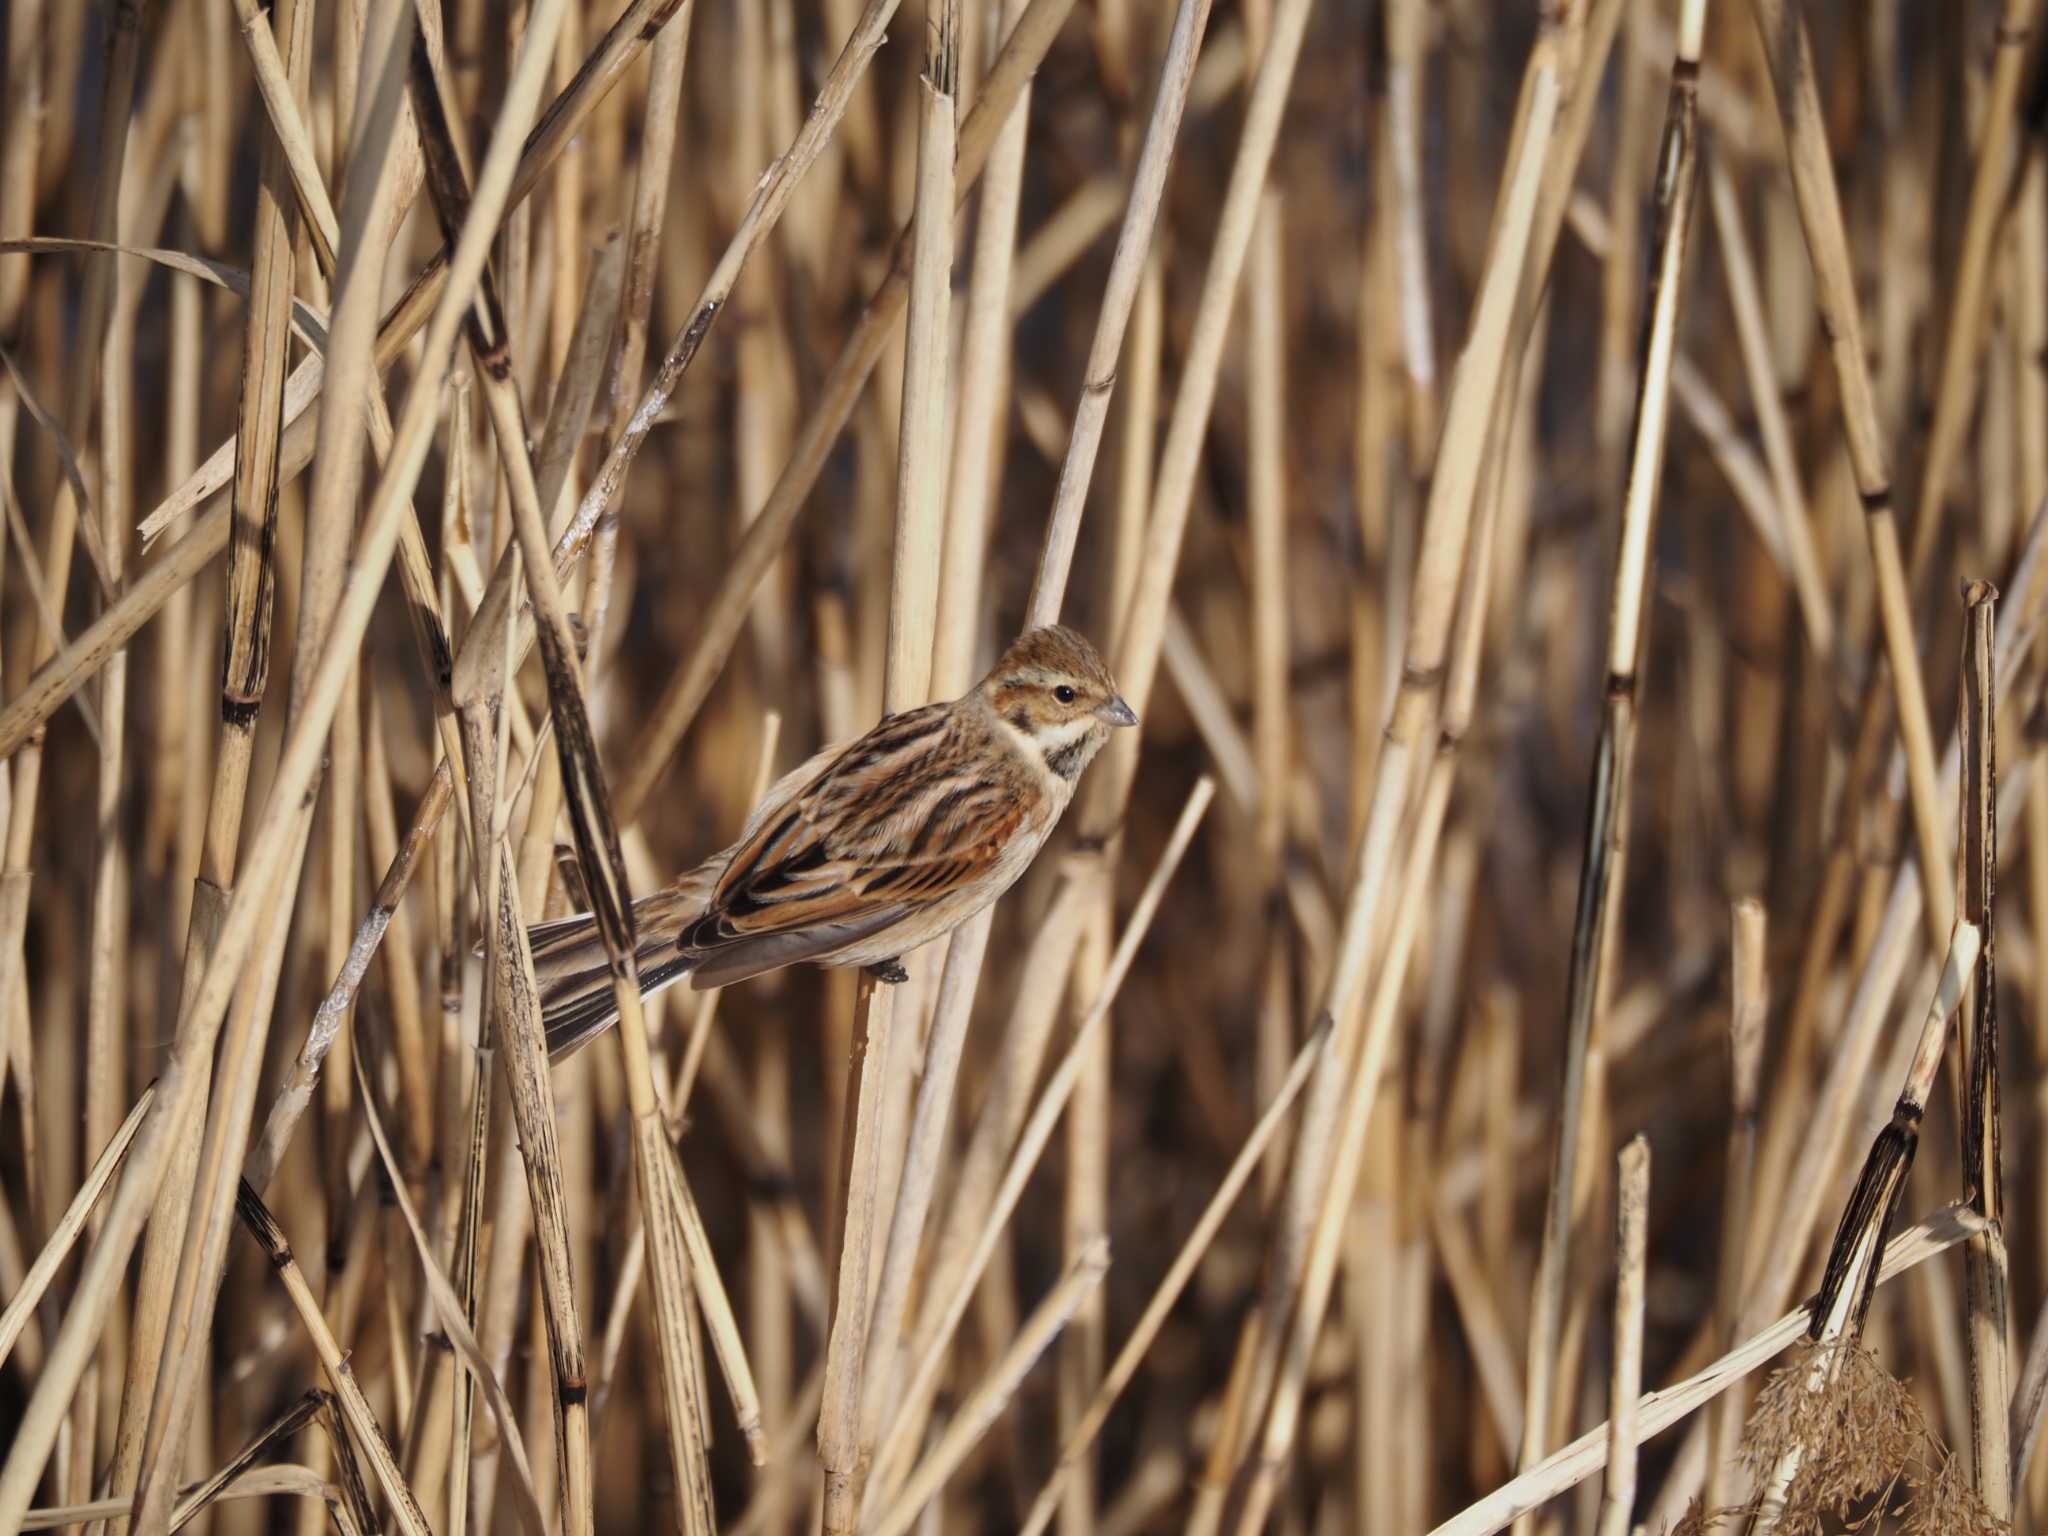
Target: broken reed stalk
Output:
{"points": [[1570, 1465], [581, 785], [239, 1478], [1750, 988], [1858, 1251], [1617, 1499], [361, 1421], [1597, 918], [1984, 1260], [1881, 973]]}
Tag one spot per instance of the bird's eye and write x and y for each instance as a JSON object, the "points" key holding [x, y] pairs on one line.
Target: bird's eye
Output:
{"points": [[1064, 694]]}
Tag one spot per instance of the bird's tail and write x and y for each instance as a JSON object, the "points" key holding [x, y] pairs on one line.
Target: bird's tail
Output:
{"points": [[574, 972]]}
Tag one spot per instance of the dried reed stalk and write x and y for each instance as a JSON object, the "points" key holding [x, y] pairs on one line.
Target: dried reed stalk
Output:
{"points": [[1985, 1275], [1750, 989], [1120, 292], [686, 690], [22, 1304], [946, 1309], [1596, 918], [1993, 179], [208, 533], [953, 646], [1132, 1355], [279, 832], [1790, 57], [1858, 1251], [913, 611], [993, 1393], [1569, 1465], [1284, 623], [1617, 1499], [363, 1427]]}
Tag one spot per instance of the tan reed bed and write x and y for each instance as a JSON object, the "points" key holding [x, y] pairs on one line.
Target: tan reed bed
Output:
{"points": [[453, 455]]}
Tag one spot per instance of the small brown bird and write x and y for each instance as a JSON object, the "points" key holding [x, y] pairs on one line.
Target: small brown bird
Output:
{"points": [[868, 850]]}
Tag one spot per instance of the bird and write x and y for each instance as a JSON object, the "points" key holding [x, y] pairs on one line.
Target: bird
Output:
{"points": [[870, 849]]}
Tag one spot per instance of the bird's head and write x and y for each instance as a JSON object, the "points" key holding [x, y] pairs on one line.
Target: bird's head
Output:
{"points": [[1052, 691]]}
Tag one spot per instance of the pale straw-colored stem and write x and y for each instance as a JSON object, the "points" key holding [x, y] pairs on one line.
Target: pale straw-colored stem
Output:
{"points": [[1596, 921], [979, 416], [1132, 1356], [1617, 1500], [1987, 1284], [1751, 992], [1793, 79], [357, 1414], [1318, 1272], [449, 1310], [68, 1227], [993, 1392], [278, 831], [1745, 297], [952, 1306], [1992, 181], [907, 677], [1452, 501], [1139, 637], [1098, 381]]}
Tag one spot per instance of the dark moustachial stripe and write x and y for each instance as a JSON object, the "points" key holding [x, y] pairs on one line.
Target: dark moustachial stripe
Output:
{"points": [[1066, 760]]}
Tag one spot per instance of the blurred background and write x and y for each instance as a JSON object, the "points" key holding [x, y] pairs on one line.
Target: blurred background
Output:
{"points": [[1297, 441]]}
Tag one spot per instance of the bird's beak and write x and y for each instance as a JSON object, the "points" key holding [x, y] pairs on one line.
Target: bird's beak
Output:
{"points": [[1117, 712]]}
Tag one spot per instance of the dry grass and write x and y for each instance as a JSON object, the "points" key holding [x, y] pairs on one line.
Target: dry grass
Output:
{"points": [[454, 453]]}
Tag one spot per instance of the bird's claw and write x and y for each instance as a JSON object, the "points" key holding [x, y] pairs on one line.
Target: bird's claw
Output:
{"points": [[890, 971]]}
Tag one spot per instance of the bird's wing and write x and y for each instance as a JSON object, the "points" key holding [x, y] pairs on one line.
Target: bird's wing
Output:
{"points": [[898, 821]]}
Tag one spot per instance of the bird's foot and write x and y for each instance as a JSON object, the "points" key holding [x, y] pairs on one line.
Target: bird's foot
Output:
{"points": [[890, 971]]}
